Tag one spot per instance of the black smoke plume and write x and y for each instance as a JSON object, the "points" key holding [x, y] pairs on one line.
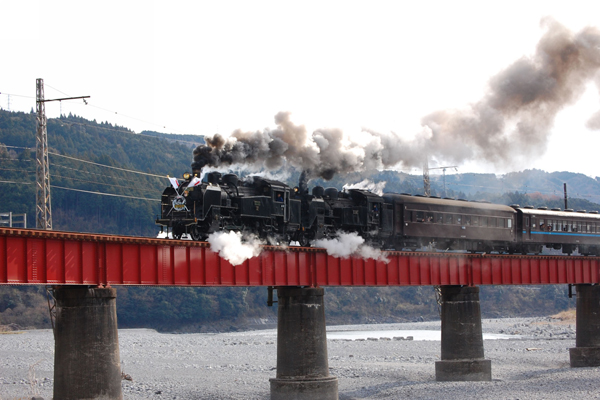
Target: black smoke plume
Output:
{"points": [[510, 123]]}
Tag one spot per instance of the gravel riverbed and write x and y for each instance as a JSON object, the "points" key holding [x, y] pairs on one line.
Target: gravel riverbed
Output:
{"points": [[238, 365]]}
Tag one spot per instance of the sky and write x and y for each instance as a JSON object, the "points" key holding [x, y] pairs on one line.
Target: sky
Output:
{"points": [[206, 67]]}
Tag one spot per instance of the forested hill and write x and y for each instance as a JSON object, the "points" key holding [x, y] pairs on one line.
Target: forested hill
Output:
{"points": [[70, 138]]}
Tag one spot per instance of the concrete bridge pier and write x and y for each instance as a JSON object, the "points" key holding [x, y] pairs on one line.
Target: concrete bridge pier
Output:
{"points": [[86, 357], [586, 352], [302, 366], [462, 337]]}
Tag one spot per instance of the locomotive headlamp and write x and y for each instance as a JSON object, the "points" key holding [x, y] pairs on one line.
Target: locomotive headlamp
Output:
{"points": [[186, 175]]}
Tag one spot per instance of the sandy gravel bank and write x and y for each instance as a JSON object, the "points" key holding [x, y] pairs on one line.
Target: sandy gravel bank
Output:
{"points": [[238, 365]]}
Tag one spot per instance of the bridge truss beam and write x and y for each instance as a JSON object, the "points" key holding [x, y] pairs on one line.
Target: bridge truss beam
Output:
{"points": [[51, 257]]}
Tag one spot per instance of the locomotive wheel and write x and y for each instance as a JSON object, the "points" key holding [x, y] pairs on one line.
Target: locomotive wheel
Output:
{"points": [[178, 231], [195, 232], [303, 241]]}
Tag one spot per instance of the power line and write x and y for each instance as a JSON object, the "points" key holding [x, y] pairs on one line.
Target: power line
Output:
{"points": [[114, 112], [18, 183], [84, 191], [59, 91], [102, 109], [17, 95], [128, 179], [100, 183], [104, 194], [11, 159], [127, 130], [107, 166], [12, 169], [19, 147]]}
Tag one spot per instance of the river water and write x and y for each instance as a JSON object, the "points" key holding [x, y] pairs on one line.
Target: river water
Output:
{"points": [[415, 334]]}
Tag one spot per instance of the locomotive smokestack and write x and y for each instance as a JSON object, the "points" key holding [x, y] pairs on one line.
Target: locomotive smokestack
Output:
{"points": [[303, 182]]}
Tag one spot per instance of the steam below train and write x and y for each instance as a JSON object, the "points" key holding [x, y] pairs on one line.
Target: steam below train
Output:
{"points": [[280, 214]]}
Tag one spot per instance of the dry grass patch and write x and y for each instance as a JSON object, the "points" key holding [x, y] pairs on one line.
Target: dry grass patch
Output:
{"points": [[565, 317]]}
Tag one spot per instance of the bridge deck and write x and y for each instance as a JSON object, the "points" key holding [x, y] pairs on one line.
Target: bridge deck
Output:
{"points": [[30, 256]]}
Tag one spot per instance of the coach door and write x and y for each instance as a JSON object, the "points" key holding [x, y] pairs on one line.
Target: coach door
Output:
{"points": [[527, 228]]}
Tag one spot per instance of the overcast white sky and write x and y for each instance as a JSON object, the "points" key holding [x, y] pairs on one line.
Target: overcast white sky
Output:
{"points": [[204, 67]]}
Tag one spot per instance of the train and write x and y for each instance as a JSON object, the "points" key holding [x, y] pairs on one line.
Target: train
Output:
{"points": [[280, 214]]}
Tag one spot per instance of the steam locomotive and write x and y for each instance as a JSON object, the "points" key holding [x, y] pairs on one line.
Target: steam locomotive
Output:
{"points": [[281, 214]]}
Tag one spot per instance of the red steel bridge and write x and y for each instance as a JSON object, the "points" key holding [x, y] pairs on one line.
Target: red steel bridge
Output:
{"points": [[30, 256]]}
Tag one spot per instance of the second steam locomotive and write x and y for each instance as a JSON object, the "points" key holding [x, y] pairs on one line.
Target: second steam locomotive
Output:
{"points": [[281, 214]]}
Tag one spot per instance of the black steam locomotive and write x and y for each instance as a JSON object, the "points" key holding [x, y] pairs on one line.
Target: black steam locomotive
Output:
{"points": [[274, 211]]}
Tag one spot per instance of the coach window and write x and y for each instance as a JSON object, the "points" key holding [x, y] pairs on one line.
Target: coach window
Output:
{"points": [[448, 218], [475, 220], [542, 226], [417, 216], [565, 225], [509, 223], [459, 219], [439, 218], [589, 228], [467, 220], [579, 227], [484, 221], [428, 217]]}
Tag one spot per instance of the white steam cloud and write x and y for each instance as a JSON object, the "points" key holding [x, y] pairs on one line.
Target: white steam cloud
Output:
{"points": [[367, 184], [346, 245], [234, 247]]}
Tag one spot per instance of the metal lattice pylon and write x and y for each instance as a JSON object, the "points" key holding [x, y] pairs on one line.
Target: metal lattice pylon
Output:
{"points": [[426, 183], [43, 211]]}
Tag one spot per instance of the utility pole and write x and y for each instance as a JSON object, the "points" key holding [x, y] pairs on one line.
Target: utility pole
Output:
{"points": [[43, 209]]}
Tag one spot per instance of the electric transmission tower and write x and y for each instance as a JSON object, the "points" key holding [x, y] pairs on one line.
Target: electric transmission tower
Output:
{"points": [[43, 213], [426, 182], [43, 210]]}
